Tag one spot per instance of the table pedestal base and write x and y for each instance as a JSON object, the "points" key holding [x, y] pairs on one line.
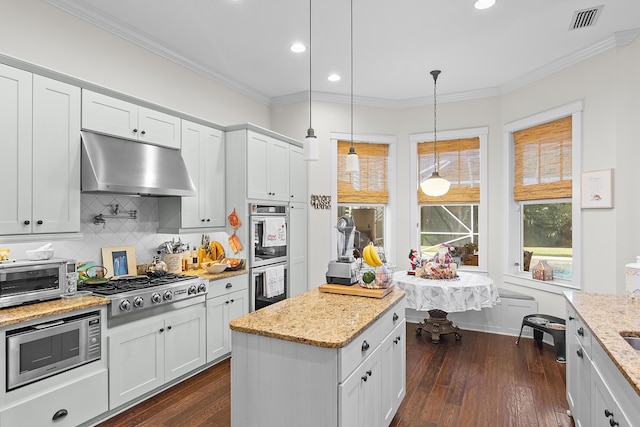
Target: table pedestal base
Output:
{"points": [[437, 324]]}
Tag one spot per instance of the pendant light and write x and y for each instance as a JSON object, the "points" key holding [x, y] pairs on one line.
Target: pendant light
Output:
{"points": [[310, 141], [353, 165], [435, 185]]}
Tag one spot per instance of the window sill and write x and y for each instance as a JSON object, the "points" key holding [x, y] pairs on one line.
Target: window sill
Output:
{"points": [[549, 286]]}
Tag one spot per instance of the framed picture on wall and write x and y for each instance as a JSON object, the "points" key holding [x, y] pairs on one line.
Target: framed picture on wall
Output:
{"points": [[119, 261], [597, 189]]}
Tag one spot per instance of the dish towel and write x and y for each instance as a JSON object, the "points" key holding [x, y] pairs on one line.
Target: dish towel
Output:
{"points": [[274, 279], [275, 232]]}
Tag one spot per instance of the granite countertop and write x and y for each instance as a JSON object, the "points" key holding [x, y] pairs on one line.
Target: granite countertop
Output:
{"points": [[24, 313], [201, 272], [607, 316], [317, 318]]}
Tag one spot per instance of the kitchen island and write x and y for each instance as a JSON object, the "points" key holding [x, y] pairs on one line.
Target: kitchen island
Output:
{"points": [[319, 359]]}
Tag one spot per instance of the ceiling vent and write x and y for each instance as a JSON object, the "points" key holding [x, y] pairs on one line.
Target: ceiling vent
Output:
{"points": [[585, 18]]}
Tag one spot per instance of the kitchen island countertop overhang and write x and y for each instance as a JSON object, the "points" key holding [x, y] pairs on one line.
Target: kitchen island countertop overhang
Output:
{"points": [[317, 318]]}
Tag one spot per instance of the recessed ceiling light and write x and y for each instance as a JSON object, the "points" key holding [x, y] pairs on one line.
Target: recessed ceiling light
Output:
{"points": [[484, 4], [298, 48], [334, 78]]}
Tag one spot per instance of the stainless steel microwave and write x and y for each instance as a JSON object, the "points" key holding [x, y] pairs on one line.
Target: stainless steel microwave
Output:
{"points": [[25, 281], [49, 348]]}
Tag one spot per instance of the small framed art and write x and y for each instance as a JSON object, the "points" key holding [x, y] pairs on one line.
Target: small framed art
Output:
{"points": [[119, 261], [597, 189]]}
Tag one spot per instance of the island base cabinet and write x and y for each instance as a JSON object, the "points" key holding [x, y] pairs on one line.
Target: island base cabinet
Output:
{"points": [[67, 406], [360, 394]]}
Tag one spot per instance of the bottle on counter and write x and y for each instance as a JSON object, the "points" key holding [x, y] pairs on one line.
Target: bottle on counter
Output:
{"points": [[194, 259], [186, 255]]}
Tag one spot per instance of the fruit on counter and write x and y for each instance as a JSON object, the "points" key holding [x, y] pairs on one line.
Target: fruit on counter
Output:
{"points": [[216, 251], [370, 255], [368, 276], [383, 277], [4, 254]]}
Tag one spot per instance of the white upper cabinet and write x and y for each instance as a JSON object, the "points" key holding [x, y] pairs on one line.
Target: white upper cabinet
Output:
{"points": [[40, 162], [203, 152], [297, 174], [267, 168], [116, 117]]}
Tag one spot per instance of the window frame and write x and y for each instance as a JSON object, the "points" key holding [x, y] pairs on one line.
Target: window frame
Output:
{"points": [[513, 236], [483, 220], [390, 207]]}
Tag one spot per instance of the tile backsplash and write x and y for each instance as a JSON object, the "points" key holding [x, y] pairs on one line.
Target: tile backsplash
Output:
{"points": [[140, 232]]}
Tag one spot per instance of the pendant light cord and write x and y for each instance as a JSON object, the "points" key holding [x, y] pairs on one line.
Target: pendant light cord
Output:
{"points": [[310, 127], [435, 74], [352, 74]]}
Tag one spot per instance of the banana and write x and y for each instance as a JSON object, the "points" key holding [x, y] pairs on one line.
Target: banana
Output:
{"points": [[373, 254], [365, 255], [219, 250]]}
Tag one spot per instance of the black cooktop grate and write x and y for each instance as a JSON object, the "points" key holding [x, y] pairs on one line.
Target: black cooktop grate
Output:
{"points": [[136, 283]]}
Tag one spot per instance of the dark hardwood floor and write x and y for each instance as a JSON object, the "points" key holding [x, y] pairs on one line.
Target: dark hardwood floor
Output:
{"points": [[481, 380]]}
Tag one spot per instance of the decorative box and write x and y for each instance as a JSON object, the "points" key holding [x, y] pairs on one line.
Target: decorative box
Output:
{"points": [[542, 271]]}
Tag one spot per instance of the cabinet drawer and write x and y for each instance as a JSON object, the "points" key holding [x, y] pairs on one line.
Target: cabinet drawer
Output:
{"points": [[224, 286], [583, 334], [81, 400], [354, 353]]}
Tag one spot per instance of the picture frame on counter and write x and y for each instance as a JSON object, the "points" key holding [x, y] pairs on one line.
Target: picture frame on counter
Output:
{"points": [[119, 261], [597, 189]]}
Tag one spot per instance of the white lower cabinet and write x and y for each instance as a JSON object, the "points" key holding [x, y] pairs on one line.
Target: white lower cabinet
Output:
{"points": [[227, 299], [597, 392], [145, 354], [360, 394], [393, 355], [66, 406]]}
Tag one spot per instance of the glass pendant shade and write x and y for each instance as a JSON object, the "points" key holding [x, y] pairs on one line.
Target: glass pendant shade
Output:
{"points": [[311, 146], [435, 185], [353, 164]]}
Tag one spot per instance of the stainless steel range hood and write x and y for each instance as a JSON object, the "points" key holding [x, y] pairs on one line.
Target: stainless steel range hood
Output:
{"points": [[119, 166]]}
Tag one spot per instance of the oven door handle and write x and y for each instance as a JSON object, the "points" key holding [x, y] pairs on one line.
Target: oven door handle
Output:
{"points": [[49, 325]]}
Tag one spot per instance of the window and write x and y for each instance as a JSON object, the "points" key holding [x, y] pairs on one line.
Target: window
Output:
{"points": [[544, 162], [364, 195], [457, 218]]}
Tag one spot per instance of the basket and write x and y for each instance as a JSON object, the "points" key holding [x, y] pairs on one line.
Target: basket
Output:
{"points": [[381, 281]]}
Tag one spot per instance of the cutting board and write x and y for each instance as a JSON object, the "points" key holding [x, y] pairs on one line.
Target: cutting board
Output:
{"points": [[355, 290]]}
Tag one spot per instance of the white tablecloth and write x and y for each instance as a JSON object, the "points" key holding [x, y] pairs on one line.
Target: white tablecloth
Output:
{"points": [[468, 292]]}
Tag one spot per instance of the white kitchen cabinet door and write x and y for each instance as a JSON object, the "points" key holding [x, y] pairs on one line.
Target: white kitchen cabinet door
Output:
{"points": [[298, 249], [136, 360], [185, 342], [15, 161], [278, 161], [56, 159], [359, 395], [203, 153], [113, 116], [604, 409], [257, 166], [217, 327], [297, 174], [220, 311], [158, 128], [267, 168], [393, 370]]}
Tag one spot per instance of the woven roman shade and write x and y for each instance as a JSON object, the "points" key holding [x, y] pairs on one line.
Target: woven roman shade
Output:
{"points": [[459, 163], [370, 184], [543, 161]]}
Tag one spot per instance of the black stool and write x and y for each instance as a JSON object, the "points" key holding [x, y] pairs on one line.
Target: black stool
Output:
{"points": [[552, 325]]}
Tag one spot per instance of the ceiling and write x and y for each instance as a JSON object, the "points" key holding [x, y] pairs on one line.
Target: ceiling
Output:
{"points": [[244, 44]]}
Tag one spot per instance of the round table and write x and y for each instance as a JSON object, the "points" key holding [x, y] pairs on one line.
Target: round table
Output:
{"points": [[468, 291]]}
